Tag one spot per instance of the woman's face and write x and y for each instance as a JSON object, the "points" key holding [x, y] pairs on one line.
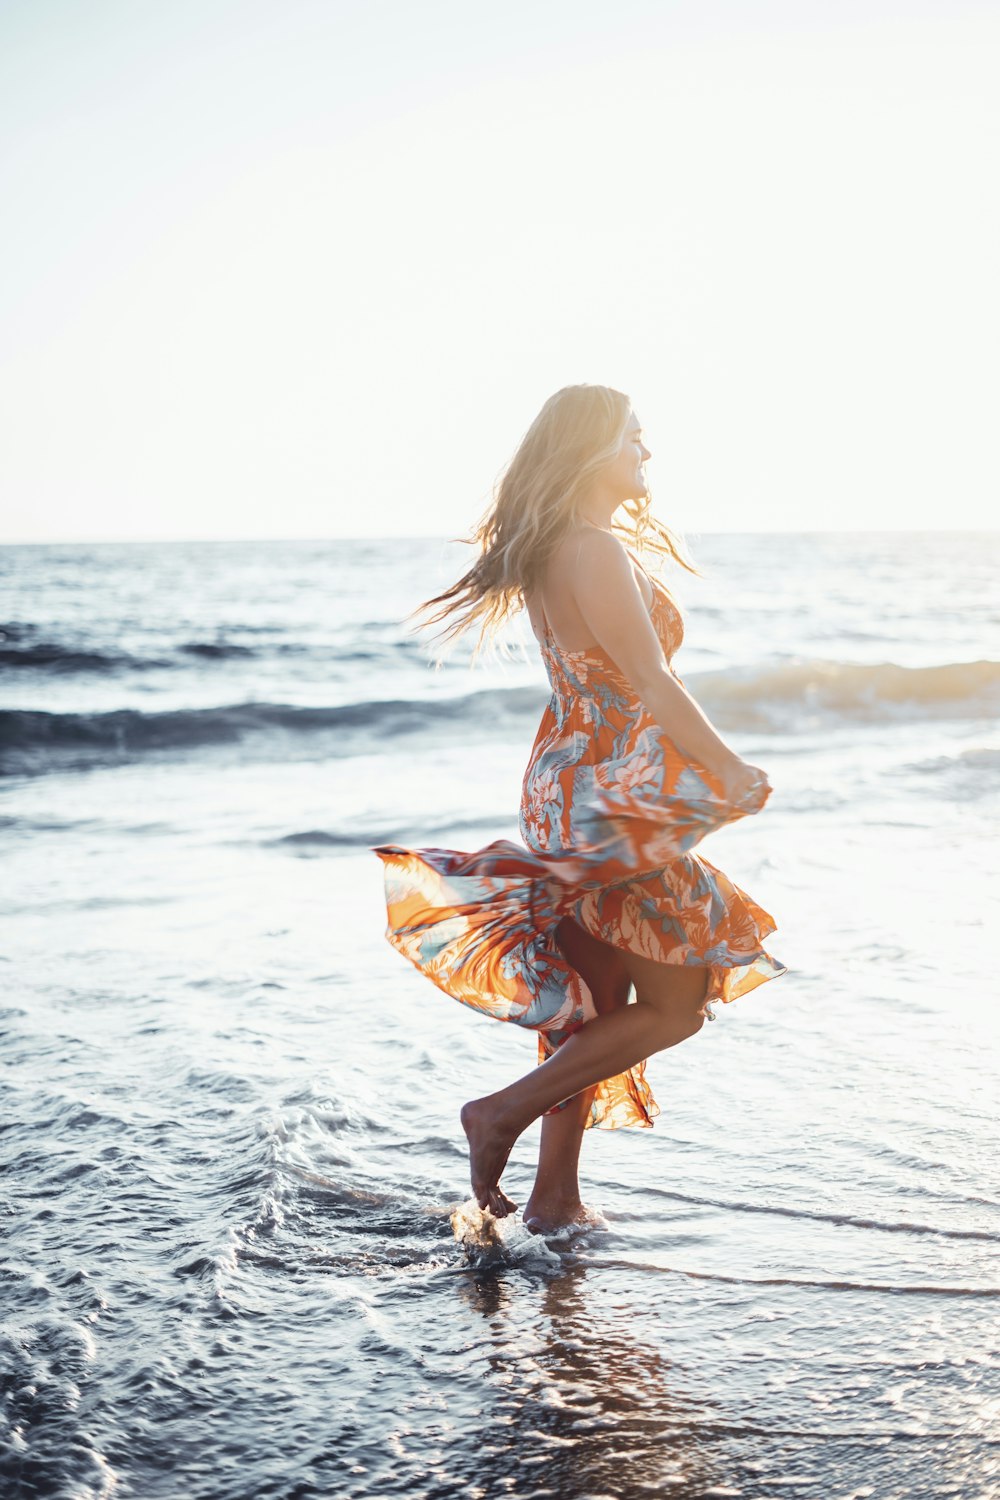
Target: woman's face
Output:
{"points": [[624, 476]]}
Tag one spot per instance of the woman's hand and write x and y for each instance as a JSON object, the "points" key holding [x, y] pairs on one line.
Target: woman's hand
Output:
{"points": [[742, 782]]}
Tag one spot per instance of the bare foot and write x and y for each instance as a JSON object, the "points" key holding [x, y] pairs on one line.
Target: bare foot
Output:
{"points": [[489, 1147], [545, 1216]]}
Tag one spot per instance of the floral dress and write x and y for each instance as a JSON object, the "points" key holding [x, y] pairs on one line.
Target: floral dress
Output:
{"points": [[610, 811]]}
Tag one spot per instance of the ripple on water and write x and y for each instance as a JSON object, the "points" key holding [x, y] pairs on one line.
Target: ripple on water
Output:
{"points": [[46, 1375]]}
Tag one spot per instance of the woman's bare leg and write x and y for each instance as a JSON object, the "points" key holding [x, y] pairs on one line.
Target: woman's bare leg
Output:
{"points": [[669, 997], [555, 1197]]}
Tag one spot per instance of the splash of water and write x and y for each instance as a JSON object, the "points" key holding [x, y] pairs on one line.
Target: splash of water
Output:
{"points": [[488, 1241]]}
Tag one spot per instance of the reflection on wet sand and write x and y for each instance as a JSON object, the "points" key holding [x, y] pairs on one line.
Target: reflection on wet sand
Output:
{"points": [[575, 1405]]}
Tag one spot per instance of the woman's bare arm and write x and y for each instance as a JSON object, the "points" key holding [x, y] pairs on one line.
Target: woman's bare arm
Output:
{"points": [[610, 602]]}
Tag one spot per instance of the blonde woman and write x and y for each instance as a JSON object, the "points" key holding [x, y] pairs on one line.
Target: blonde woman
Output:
{"points": [[625, 776]]}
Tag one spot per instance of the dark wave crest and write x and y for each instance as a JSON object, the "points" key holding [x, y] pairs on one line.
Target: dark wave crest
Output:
{"points": [[309, 840], [50, 656], [20, 650], [216, 650], [32, 740]]}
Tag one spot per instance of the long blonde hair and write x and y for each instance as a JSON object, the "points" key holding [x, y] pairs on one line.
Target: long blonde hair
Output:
{"points": [[537, 501]]}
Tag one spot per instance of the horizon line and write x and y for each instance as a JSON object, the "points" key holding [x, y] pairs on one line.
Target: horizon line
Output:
{"points": [[175, 541]]}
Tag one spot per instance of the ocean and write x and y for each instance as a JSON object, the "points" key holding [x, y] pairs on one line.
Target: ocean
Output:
{"points": [[229, 1137]]}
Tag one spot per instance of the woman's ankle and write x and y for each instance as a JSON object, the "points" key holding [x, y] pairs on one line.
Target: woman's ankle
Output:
{"points": [[547, 1213], [494, 1113]]}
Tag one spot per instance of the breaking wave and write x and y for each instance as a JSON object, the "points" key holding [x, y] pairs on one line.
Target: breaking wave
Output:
{"points": [[794, 695], [760, 697]]}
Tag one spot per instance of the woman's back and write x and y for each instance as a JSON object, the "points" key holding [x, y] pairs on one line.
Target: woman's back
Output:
{"points": [[552, 606]]}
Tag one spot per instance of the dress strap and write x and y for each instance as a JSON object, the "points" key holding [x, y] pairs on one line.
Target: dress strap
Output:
{"points": [[546, 627], [641, 568]]}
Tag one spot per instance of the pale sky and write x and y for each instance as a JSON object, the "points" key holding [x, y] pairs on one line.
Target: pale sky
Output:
{"points": [[309, 269]]}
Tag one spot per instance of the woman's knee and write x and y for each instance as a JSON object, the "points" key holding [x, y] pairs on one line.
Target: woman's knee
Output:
{"points": [[675, 1024], [692, 1022], [677, 993]]}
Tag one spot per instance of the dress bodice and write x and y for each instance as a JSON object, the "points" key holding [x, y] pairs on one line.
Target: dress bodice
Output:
{"points": [[587, 672]]}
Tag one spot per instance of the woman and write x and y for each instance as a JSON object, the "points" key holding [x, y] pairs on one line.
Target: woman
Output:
{"points": [[625, 776]]}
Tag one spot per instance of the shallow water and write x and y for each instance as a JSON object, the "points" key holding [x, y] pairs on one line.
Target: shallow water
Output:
{"points": [[231, 1150]]}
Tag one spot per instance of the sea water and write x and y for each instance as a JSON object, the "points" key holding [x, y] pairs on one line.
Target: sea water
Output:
{"points": [[239, 1260]]}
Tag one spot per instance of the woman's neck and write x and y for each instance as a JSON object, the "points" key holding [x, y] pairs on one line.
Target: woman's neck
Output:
{"points": [[598, 515]]}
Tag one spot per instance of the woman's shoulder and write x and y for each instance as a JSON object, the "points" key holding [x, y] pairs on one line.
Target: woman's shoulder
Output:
{"points": [[593, 558], [591, 561], [588, 547]]}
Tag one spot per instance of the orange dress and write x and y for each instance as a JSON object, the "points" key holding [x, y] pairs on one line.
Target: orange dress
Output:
{"points": [[610, 810]]}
